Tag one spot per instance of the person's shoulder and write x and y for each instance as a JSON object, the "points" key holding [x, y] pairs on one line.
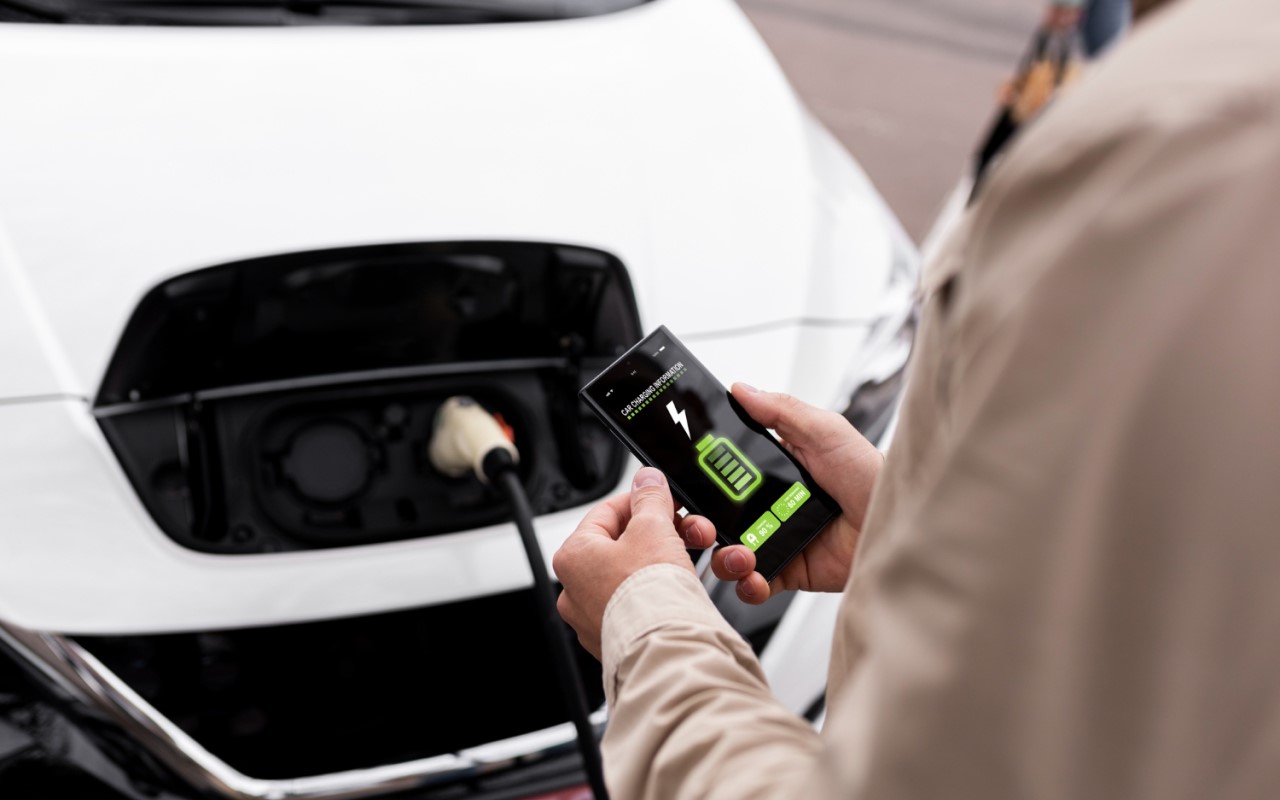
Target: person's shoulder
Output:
{"points": [[1198, 68], [1192, 63], [1160, 160]]}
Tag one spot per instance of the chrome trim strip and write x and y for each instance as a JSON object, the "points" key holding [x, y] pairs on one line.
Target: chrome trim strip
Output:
{"points": [[77, 672]]}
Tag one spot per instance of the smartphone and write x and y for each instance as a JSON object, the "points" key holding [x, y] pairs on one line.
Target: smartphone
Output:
{"points": [[673, 414]]}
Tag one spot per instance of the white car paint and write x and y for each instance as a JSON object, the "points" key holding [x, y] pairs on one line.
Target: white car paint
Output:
{"points": [[666, 135]]}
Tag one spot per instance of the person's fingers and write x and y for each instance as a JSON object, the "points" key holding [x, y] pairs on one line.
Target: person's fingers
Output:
{"points": [[753, 589], [733, 563], [697, 532], [622, 504], [650, 496], [580, 550], [574, 618], [795, 421], [565, 606], [570, 612], [737, 563], [607, 518]]}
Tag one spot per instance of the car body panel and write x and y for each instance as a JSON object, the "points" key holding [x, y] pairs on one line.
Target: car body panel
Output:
{"points": [[690, 162], [666, 135]]}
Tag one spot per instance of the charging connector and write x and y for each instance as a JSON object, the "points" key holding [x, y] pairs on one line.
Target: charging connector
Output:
{"points": [[466, 438], [464, 435]]}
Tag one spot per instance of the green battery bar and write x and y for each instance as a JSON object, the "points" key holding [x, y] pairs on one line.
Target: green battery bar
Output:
{"points": [[725, 464]]}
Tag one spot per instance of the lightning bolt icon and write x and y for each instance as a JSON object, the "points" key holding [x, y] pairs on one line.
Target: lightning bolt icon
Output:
{"points": [[679, 418]]}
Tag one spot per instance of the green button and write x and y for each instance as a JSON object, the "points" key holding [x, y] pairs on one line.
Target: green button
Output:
{"points": [[789, 502], [760, 532]]}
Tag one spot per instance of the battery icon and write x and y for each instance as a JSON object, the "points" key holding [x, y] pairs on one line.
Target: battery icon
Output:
{"points": [[727, 467]]}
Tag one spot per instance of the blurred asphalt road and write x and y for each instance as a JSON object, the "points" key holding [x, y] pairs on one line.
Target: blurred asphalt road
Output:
{"points": [[907, 85]]}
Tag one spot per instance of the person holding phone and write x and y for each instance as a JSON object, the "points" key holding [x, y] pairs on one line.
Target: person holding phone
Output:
{"points": [[1061, 581]]}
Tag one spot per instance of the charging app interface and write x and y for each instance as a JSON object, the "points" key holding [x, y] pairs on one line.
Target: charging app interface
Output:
{"points": [[685, 423]]}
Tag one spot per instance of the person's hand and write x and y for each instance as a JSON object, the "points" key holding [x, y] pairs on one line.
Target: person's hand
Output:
{"points": [[842, 462], [621, 536]]}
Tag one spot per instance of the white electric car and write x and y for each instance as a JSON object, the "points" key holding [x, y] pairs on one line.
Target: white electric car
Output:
{"points": [[247, 248]]}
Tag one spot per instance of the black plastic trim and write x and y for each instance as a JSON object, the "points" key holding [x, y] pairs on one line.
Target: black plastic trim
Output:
{"points": [[222, 372]]}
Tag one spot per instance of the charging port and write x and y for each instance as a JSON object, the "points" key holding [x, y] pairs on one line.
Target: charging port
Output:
{"points": [[283, 403]]}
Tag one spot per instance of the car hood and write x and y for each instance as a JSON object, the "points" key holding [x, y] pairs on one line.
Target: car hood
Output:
{"points": [[132, 154]]}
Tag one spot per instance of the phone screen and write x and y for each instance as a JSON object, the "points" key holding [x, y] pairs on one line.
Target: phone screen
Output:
{"points": [[674, 415]]}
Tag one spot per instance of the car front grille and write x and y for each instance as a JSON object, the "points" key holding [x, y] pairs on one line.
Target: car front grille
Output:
{"points": [[323, 697]]}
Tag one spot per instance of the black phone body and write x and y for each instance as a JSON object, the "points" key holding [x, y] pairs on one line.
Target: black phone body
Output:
{"points": [[673, 414]]}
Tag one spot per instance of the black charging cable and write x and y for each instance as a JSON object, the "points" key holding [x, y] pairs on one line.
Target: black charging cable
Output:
{"points": [[468, 439], [505, 478]]}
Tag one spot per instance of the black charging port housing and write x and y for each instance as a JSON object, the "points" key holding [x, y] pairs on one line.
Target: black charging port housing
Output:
{"points": [[285, 402]]}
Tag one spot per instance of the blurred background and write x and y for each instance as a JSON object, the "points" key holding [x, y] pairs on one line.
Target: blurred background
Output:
{"points": [[907, 87]]}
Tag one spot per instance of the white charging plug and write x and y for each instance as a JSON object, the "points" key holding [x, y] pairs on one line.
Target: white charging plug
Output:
{"points": [[464, 434]]}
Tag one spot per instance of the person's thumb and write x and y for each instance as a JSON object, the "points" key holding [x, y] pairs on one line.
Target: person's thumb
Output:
{"points": [[796, 421], [650, 496]]}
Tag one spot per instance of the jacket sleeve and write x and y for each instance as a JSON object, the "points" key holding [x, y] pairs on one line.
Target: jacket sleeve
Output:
{"points": [[690, 714]]}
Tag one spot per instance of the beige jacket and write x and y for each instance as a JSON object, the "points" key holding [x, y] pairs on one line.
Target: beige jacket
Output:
{"points": [[1069, 581]]}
